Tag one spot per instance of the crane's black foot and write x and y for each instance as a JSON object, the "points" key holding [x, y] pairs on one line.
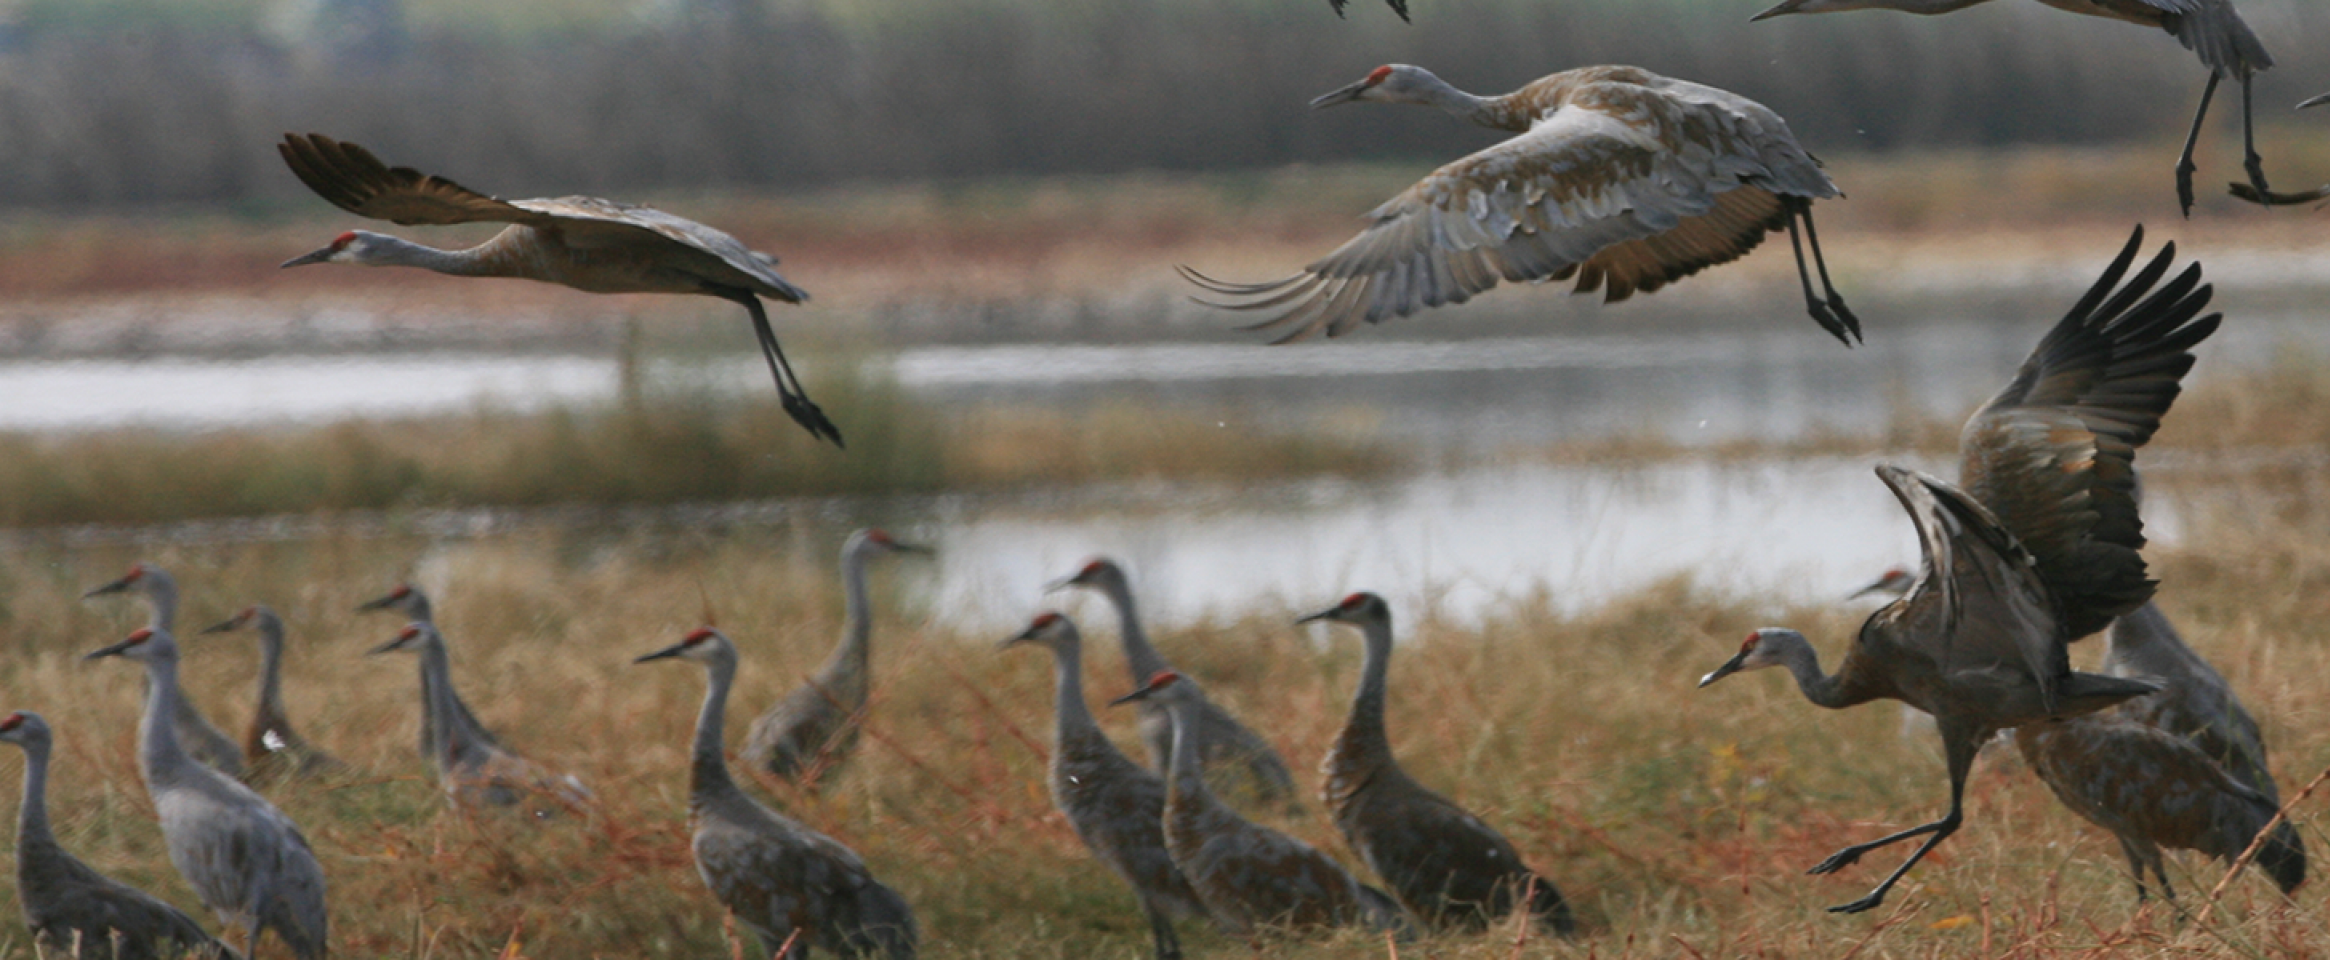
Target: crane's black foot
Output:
{"points": [[812, 419], [1862, 905], [2184, 172], [1837, 861], [2270, 198]]}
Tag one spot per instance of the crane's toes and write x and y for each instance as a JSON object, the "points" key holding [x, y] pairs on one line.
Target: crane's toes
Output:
{"points": [[2270, 198], [1836, 861], [2184, 189], [1825, 314], [812, 419], [1867, 903]]}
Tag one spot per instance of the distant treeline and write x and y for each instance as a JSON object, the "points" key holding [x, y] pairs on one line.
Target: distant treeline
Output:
{"points": [[796, 95]]}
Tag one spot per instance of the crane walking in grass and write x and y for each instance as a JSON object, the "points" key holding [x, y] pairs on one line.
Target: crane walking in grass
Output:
{"points": [[202, 738], [1116, 806], [1223, 743], [781, 880], [1446, 866], [73, 910], [244, 858], [814, 729], [1619, 177], [2211, 29], [1250, 877], [590, 244], [272, 748], [465, 729], [476, 774], [2037, 547]]}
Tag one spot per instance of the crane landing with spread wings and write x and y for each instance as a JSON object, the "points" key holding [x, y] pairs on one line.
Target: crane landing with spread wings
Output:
{"points": [[1620, 178]]}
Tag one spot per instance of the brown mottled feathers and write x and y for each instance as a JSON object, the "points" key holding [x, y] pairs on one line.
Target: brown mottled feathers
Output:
{"points": [[356, 181], [2053, 454]]}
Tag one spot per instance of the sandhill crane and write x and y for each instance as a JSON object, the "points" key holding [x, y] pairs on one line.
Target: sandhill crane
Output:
{"points": [[160, 592], [2040, 547], [1116, 806], [782, 880], [1222, 742], [1442, 863], [244, 858], [1622, 178], [73, 910], [2211, 29], [590, 244], [814, 729], [411, 602], [2153, 789], [475, 773], [1249, 876], [272, 747]]}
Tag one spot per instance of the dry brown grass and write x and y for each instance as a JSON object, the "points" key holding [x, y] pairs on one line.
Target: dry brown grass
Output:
{"points": [[1679, 821]]}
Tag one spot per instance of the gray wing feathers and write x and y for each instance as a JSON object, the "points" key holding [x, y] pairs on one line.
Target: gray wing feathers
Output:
{"points": [[1995, 609], [2215, 32], [586, 222]]}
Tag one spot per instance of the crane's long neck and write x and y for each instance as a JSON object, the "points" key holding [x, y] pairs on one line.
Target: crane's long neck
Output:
{"points": [[854, 655], [270, 668], [1363, 741], [437, 703], [161, 595], [708, 768], [1073, 718], [163, 758], [488, 259], [1495, 112], [1141, 657], [1186, 793], [1822, 689], [32, 818]]}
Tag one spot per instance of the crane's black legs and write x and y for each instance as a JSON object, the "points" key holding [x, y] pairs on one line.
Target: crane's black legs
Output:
{"points": [[1961, 749], [1830, 312], [1161, 925], [2184, 165], [2255, 190], [789, 390]]}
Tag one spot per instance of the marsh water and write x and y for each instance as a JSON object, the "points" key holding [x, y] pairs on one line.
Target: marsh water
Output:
{"points": [[1490, 525]]}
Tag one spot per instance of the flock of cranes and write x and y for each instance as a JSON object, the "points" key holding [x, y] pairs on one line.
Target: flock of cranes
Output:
{"points": [[1619, 179]]}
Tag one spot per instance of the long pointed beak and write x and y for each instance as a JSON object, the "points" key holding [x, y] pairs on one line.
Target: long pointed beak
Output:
{"points": [[319, 256], [1874, 586], [1340, 95], [1321, 615], [1061, 584], [914, 548], [220, 627], [117, 586], [389, 647], [1782, 8], [2316, 102], [112, 651], [379, 604], [1729, 667], [663, 654], [1141, 694]]}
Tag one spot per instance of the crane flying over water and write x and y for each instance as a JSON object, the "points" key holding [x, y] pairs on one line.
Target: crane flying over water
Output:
{"points": [[1618, 177], [590, 244]]}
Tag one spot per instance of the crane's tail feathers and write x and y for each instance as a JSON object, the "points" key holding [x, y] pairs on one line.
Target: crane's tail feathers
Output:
{"points": [[2283, 857]]}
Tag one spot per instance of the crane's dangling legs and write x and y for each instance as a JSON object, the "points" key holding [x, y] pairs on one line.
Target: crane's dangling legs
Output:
{"points": [[1830, 313], [2184, 165], [794, 397], [1961, 751]]}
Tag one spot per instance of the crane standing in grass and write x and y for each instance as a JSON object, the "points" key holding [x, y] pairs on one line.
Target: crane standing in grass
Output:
{"points": [[783, 881], [73, 910], [475, 773], [202, 738], [2211, 29], [1249, 876], [1222, 742], [465, 729], [1443, 864], [1619, 177], [244, 858], [2039, 548], [593, 245], [272, 748], [1116, 806], [814, 729]]}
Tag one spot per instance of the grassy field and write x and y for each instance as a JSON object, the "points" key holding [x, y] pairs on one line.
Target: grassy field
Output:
{"points": [[1677, 820]]}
